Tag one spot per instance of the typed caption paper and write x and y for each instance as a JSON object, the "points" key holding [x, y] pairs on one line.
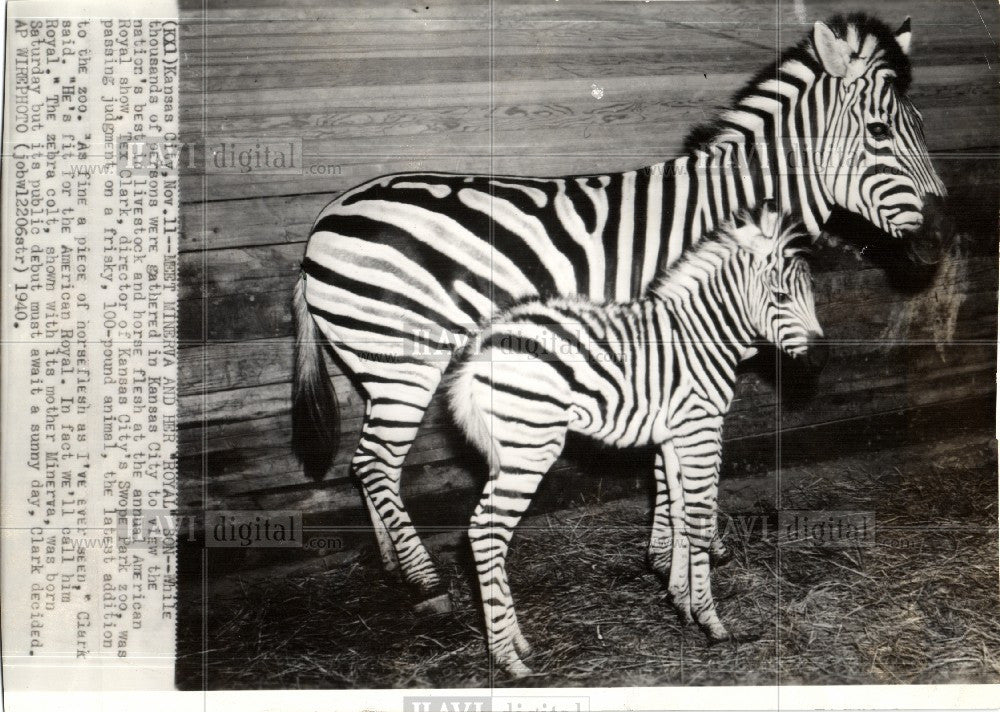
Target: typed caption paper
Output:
{"points": [[90, 230]]}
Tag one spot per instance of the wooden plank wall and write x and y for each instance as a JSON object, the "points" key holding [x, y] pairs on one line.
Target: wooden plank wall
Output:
{"points": [[537, 88]]}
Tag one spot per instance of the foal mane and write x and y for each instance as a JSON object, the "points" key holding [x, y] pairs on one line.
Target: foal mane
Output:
{"points": [[788, 234]]}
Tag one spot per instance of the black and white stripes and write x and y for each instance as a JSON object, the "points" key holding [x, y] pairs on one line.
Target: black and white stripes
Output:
{"points": [[398, 271], [659, 370]]}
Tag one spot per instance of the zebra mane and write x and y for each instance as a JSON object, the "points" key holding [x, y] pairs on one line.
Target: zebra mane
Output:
{"points": [[789, 235], [893, 57]]}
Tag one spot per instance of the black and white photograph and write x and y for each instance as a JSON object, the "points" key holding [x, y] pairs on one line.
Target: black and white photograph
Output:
{"points": [[503, 354], [590, 344]]}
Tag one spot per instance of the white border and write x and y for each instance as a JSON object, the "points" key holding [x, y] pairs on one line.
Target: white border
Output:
{"points": [[637, 699]]}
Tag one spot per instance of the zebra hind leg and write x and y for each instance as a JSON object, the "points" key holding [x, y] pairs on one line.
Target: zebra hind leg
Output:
{"points": [[521, 437], [385, 548], [390, 426]]}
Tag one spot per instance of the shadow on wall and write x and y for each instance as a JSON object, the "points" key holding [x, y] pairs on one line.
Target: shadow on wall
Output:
{"points": [[910, 264]]}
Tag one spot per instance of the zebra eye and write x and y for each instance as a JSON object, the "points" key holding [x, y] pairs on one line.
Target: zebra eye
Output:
{"points": [[781, 298], [878, 130]]}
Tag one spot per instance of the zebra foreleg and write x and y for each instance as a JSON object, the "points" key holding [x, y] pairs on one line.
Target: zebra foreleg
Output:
{"points": [[661, 539]]}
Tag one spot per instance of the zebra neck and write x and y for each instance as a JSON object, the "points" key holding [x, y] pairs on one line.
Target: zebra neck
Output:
{"points": [[766, 148]]}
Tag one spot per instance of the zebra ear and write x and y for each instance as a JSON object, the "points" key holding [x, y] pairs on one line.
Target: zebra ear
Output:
{"points": [[834, 53], [904, 36]]}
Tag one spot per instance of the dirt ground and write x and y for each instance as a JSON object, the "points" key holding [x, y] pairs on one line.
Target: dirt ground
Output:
{"points": [[917, 602]]}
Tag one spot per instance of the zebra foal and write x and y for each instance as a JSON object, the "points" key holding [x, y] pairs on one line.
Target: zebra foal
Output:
{"points": [[659, 370]]}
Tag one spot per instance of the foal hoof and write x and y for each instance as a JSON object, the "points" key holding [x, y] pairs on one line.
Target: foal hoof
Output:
{"points": [[516, 669], [435, 605], [684, 616], [521, 645], [733, 638]]}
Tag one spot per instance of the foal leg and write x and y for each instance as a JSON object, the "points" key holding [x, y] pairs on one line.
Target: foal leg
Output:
{"points": [[699, 470], [520, 454], [505, 499], [678, 573], [661, 538]]}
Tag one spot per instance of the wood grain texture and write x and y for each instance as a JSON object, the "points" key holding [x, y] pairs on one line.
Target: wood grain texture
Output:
{"points": [[372, 87], [380, 89]]}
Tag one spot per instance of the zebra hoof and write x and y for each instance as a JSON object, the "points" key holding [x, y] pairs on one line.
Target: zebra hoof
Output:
{"points": [[720, 558], [434, 606]]}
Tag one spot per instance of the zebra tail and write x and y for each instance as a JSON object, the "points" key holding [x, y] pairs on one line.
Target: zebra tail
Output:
{"points": [[315, 415], [464, 407]]}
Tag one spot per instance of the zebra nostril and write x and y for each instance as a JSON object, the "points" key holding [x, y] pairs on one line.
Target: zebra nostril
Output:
{"points": [[817, 351], [933, 207], [928, 241]]}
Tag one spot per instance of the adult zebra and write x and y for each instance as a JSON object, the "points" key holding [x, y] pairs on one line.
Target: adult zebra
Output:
{"points": [[659, 370], [399, 271]]}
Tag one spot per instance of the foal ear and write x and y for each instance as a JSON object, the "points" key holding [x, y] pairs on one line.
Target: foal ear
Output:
{"points": [[797, 244], [904, 36], [759, 244], [747, 231], [769, 217], [834, 53]]}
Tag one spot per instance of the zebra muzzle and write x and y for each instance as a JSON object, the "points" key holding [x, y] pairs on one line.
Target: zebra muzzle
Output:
{"points": [[817, 353], [925, 244]]}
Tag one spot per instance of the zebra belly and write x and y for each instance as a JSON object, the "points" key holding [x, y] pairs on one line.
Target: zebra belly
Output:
{"points": [[612, 417]]}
